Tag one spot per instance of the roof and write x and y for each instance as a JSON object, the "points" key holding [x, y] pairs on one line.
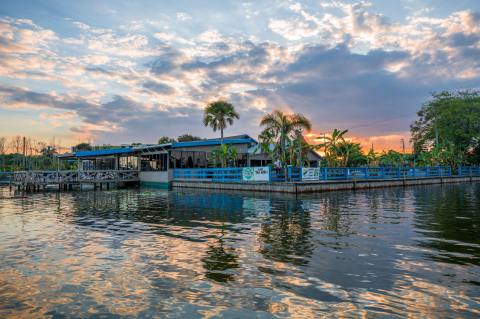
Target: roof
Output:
{"points": [[239, 139], [105, 152], [146, 148]]}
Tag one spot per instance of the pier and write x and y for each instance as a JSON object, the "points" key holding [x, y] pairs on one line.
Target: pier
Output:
{"points": [[68, 180]]}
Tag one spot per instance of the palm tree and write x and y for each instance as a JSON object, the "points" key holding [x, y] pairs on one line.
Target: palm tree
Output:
{"points": [[337, 137], [218, 115], [282, 125], [331, 146], [225, 153]]}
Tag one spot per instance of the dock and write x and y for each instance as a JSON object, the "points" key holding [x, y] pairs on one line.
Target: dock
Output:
{"points": [[69, 180]]}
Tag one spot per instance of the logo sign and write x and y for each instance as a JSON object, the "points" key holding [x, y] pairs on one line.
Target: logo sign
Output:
{"points": [[248, 174], [257, 174], [310, 173]]}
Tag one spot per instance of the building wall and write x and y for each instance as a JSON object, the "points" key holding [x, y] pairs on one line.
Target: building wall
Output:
{"points": [[156, 178]]}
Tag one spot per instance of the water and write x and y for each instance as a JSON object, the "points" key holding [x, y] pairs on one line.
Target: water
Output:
{"points": [[190, 254]]}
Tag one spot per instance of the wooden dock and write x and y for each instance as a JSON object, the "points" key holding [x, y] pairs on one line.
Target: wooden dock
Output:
{"points": [[68, 180]]}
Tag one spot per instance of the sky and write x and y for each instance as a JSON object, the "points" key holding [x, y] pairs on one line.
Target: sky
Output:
{"points": [[117, 72]]}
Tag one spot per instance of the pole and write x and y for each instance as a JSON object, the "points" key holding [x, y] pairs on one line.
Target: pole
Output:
{"points": [[24, 153]]}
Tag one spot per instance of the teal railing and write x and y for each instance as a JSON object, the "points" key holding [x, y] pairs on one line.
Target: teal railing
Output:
{"points": [[5, 177], [289, 174], [468, 170]]}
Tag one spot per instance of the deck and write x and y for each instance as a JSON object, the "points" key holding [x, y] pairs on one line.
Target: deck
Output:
{"points": [[32, 180]]}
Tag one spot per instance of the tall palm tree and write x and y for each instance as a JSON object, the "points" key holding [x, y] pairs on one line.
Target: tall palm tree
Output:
{"points": [[282, 125], [218, 115], [331, 146]]}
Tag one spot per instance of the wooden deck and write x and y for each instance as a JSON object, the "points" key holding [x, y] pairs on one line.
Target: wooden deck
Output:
{"points": [[35, 180]]}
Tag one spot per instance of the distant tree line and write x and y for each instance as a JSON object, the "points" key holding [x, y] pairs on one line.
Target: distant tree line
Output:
{"points": [[18, 153], [181, 138]]}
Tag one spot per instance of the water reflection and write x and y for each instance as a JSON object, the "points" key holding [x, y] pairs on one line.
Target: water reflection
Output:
{"points": [[146, 253], [220, 260], [449, 221], [286, 235]]}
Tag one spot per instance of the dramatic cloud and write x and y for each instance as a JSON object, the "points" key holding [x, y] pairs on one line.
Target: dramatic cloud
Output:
{"points": [[342, 64]]}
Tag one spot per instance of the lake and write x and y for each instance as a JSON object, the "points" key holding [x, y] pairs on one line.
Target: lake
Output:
{"points": [[192, 254]]}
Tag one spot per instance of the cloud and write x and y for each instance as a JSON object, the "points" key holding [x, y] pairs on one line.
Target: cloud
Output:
{"points": [[182, 16], [158, 87], [342, 64]]}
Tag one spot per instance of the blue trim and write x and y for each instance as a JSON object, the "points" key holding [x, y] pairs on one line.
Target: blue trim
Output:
{"points": [[213, 142], [111, 151], [160, 185]]}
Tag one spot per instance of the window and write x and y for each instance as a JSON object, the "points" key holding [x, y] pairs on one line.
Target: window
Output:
{"points": [[128, 163], [154, 162]]}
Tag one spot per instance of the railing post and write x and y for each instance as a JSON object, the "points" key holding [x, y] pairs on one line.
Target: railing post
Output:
{"points": [[325, 175]]}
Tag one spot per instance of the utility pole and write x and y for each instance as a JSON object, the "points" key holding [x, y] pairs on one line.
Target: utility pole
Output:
{"points": [[24, 154]]}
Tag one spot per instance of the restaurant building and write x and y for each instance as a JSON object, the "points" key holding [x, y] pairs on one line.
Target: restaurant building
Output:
{"points": [[156, 162]]}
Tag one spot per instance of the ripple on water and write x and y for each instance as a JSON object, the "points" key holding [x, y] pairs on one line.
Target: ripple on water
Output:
{"points": [[146, 253]]}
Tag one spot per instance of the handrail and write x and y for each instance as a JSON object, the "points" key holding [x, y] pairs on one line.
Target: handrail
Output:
{"points": [[293, 174], [56, 177]]}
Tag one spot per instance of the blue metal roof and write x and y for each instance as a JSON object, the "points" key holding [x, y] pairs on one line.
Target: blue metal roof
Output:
{"points": [[214, 142], [105, 152]]}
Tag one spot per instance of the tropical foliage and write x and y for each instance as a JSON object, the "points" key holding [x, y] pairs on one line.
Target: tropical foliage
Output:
{"points": [[218, 115], [447, 130], [286, 131], [225, 155]]}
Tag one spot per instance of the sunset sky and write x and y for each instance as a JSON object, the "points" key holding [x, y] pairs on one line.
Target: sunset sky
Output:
{"points": [[132, 71]]}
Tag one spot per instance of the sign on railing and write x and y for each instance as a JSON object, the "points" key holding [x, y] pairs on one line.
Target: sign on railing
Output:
{"points": [[310, 173], [257, 174]]}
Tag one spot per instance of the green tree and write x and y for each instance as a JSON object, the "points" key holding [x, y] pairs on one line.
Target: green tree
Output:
{"points": [[350, 154], [391, 158], [188, 138], [166, 140], [282, 126], [266, 145], [218, 115], [331, 147], [449, 121], [224, 153], [372, 157], [82, 147]]}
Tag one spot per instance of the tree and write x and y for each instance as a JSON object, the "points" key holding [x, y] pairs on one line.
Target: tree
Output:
{"points": [[218, 115], [49, 151], [82, 147], [188, 138], [224, 153], [166, 140], [350, 154], [331, 147], [267, 144], [3, 150], [16, 144], [372, 157], [391, 158], [282, 126], [449, 121]]}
